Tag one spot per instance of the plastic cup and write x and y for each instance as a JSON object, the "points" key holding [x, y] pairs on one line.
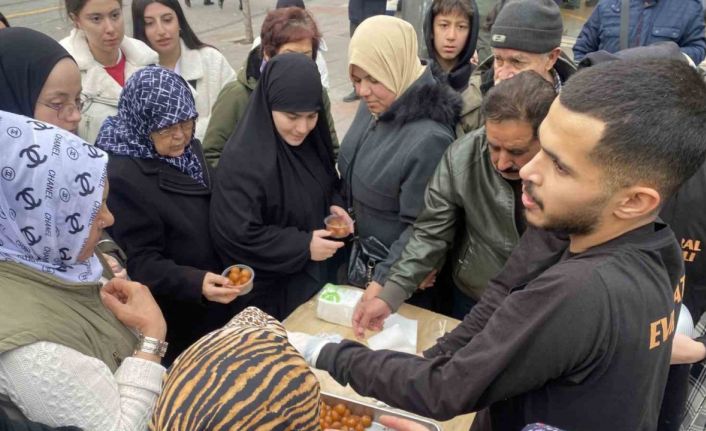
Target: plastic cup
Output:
{"points": [[247, 286], [338, 226]]}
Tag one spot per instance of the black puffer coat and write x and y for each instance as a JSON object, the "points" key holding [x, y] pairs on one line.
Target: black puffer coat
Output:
{"points": [[398, 154]]}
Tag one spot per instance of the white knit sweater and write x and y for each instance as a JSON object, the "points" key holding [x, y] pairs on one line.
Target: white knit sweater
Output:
{"points": [[59, 386]]}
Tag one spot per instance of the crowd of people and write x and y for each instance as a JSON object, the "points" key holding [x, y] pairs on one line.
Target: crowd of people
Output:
{"points": [[551, 206]]}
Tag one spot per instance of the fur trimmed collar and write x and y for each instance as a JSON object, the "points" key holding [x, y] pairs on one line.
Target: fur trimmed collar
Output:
{"points": [[426, 99]]}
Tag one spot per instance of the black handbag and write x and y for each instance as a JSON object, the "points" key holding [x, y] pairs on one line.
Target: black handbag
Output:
{"points": [[365, 252]]}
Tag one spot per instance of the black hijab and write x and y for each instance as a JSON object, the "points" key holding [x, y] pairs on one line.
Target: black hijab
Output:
{"points": [[27, 57], [268, 195], [459, 75]]}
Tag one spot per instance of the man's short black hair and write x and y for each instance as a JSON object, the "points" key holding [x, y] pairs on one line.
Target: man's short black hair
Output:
{"points": [[654, 112], [524, 97], [448, 7]]}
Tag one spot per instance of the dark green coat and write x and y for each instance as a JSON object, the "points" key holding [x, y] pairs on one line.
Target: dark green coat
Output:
{"points": [[230, 107], [41, 307], [468, 219]]}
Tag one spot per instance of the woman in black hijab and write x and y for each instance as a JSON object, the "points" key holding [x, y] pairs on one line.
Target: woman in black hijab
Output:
{"points": [[276, 182], [39, 79]]}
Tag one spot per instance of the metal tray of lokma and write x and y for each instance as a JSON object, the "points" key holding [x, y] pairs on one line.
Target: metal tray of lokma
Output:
{"points": [[361, 408]]}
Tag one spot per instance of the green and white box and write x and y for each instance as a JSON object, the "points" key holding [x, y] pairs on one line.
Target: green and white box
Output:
{"points": [[337, 303]]}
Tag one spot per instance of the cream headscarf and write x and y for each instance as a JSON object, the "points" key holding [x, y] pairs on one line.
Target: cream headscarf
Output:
{"points": [[386, 48]]}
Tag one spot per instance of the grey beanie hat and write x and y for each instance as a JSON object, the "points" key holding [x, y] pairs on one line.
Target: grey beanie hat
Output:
{"points": [[528, 25]]}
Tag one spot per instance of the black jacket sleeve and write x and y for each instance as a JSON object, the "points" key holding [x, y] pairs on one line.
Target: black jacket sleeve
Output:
{"points": [[139, 230], [525, 344], [536, 251], [242, 233]]}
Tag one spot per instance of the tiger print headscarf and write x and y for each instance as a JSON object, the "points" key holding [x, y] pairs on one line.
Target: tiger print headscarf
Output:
{"points": [[244, 376]]}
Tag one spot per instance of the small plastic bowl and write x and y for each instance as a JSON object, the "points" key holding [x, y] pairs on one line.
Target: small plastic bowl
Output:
{"points": [[247, 286], [337, 226]]}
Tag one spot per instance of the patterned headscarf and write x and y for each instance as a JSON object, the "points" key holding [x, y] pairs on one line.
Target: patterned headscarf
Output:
{"points": [[52, 191], [153, 98], [244, 376]]}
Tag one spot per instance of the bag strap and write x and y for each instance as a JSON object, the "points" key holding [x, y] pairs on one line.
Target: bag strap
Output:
{"points": [[349, 177], [624, 23]]}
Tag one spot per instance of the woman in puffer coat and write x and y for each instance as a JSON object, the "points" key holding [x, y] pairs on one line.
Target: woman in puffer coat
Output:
{"points": [[404, 124]]}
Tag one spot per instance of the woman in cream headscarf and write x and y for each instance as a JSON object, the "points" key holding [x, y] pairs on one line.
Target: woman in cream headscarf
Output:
{"points": [[404, 123]]}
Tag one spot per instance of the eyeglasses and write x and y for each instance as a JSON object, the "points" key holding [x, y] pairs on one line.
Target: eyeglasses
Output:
{"points": [[65, 110], [186, 128]]}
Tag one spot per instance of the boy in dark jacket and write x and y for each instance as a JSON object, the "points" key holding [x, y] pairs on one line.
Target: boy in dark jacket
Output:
{"points": [[577, 329], [451, 34]]}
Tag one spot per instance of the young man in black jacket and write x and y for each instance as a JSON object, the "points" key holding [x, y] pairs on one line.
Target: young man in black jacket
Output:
{"points": [[577, 329]]}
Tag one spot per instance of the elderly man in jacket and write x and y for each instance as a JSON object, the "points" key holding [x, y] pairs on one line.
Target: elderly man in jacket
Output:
{"points": [[472, 214], [651, 21], [526, 35]]}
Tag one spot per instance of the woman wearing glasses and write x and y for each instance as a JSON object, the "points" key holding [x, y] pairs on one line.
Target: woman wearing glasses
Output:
{"points": [[160, 189], [40, 80], [105, 57]]}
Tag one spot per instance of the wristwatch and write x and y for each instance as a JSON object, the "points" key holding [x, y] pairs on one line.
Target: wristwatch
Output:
{"points": [[151, 346]]}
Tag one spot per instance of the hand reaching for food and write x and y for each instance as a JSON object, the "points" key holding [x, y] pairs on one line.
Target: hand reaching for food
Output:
{"points": [[309, 346]]}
